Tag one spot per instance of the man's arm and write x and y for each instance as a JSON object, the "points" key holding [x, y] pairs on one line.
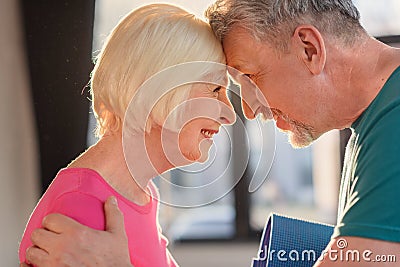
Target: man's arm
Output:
{"points": [[65, 242], [349, 251]]}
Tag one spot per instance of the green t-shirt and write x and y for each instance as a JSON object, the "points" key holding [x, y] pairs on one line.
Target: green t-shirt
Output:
{"points": [[369, 203]]}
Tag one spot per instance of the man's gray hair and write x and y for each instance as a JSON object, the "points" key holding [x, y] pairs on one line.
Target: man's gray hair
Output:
{"points": [[277, 19]]}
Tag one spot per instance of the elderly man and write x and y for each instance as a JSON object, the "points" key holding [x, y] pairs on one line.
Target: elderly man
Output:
{"points": [[319, 70]]}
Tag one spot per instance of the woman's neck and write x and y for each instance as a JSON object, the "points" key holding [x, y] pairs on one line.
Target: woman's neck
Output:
{"points": [[128, 162], [107, 158]]}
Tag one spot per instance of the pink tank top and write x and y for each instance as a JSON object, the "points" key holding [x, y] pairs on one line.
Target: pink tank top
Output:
{"points": [[80, 194]]}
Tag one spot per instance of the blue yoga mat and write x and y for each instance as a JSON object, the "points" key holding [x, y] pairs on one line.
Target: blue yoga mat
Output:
{"points": [[291, 242]]}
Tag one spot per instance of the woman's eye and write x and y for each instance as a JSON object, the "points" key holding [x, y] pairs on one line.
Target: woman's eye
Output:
{"points": [[216, 90]]}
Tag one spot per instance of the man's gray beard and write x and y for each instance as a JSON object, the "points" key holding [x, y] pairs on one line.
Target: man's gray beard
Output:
{"points": [[300, 138], [301, 135]]}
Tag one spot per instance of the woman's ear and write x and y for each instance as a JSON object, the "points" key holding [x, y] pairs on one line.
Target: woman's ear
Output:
{"points": [[310, 47]]}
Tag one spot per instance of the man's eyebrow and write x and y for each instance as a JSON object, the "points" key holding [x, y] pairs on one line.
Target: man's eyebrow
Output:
{"points": [[241, 65], [238, 67], [236, 64]]}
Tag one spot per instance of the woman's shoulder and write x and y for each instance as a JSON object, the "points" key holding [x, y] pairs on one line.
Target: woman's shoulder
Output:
{"points": [[85, 180], [77, 181]]}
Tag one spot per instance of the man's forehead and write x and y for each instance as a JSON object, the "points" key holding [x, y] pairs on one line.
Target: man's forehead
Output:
{"points": [[237, 44], [235, 57]]}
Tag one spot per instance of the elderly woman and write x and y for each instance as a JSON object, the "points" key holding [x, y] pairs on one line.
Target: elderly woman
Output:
{"points": [[143, 127]]}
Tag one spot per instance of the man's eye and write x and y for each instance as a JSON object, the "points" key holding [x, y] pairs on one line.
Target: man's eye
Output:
{"points": [[248, 75], [216, 90]]}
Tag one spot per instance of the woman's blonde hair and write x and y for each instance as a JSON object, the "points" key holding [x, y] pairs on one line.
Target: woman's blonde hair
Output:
{"points": [[145, 42]]}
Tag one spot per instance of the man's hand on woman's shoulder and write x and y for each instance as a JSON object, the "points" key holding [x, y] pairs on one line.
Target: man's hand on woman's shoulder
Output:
{"points": [[64, 242]]}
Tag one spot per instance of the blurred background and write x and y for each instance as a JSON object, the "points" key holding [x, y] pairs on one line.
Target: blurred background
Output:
{"points": [[46, 52]]}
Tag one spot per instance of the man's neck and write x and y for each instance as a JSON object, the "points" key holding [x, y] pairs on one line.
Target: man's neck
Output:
{"points": [[361, 73]]}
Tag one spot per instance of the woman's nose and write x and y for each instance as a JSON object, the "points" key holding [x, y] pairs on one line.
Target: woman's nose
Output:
{"points": [[227, 113]]}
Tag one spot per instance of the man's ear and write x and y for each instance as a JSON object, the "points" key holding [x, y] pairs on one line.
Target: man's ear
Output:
{"points": [[310, 47]]}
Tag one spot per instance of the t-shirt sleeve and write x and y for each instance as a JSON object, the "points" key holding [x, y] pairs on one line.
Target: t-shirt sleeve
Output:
{"points": [[373, 207], [82, 207]]}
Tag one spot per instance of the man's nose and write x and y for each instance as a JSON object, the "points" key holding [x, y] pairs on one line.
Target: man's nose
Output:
{"points": [[247, 111]]}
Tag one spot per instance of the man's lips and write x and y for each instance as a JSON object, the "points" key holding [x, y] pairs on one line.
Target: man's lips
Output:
{"points": [[265, 112], [282, 124]]}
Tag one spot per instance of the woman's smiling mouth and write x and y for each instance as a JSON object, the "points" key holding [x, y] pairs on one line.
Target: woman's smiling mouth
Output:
{"points": [[208, 133]]}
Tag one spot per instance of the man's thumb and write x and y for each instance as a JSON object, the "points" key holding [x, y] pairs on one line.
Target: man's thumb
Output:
{"points": [[114, 217]]}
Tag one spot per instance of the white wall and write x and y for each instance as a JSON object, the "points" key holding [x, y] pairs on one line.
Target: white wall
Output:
{"points": [[380, 17], [18, 152], [326, 174]]}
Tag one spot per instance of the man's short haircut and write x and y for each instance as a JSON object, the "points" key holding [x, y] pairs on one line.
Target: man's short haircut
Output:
{"points": [[276, 20]]}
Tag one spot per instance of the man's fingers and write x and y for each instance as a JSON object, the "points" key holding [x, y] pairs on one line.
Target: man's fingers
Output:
{"points": [[114, 217], [36, 256], [59, 223], [43, 238], [24, 265]]}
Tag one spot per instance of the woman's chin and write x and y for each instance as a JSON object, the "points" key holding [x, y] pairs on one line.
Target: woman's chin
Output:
{"points": [[205, 146], [201, 155], [203, 158]]}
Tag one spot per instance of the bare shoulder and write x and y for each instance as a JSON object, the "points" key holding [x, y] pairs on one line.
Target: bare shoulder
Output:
{"points": [[86, 159]]}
